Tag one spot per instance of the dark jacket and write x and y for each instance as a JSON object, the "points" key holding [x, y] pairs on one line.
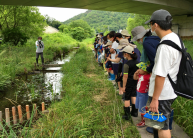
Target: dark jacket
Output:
{"points": [[150, 45]]}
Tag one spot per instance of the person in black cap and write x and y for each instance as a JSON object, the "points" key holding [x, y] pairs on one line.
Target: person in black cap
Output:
{"points": [[167, 61]]}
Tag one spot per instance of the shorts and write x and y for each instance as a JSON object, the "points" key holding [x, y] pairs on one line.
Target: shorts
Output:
{"points": [[165, 108], [106, 65], [96, 46], [141, 101], [115, 68], [130, 91], [109, 65], [119, 76]]}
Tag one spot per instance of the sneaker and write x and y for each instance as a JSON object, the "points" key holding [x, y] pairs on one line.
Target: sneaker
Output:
{"points": [[141, 124]]}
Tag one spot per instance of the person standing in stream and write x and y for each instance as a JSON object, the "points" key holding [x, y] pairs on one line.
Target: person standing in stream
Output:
{"points": [[39, 50]]}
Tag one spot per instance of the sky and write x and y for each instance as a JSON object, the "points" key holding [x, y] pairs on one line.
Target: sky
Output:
{"points": [[60, 14]]}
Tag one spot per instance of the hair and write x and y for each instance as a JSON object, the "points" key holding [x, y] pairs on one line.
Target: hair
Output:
{"points": [[101, 34], [133, 56], [105, 38], [148, 33], [96, 34], [164, 25], [119, 35], [39, 37], [111, 34]]}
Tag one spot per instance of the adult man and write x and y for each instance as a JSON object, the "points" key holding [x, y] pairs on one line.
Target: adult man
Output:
{"points": [[167, 61], [39, 50]]}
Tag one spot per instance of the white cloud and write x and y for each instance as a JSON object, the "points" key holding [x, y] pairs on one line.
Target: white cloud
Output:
{"points": [[60, 14]]}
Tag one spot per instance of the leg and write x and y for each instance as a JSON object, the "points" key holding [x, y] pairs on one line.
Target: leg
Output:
{"points": [[133, 99], [42, 58], [165, 108], [164, 133], [134, 111], [37, 56], [126, 110], [141, 101], [120, 88], [127, 103]]}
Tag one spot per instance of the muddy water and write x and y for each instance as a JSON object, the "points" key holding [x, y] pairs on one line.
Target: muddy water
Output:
{"points": [[35, 88]]}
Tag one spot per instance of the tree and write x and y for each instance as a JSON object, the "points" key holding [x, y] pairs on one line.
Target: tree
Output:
{"points": [[77, 33], [61, 27], [14, 36], [52, 22], [130, 24], [84, 25], [26, 20], [137, 20]]}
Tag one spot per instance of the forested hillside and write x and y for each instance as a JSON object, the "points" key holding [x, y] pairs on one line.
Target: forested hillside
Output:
{"points": [[101, 20]]}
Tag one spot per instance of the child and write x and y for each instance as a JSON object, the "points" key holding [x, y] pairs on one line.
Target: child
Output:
{"points": [[142, 91], [108, 64], [129, 84]]}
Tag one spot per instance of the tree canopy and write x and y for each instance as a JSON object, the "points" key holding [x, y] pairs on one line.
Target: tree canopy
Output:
{"points": [[79, 29], [52, 22], [137, 20], [102, 21], [18, 23]]}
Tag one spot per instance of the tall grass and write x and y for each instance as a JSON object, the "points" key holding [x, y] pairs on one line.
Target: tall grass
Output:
{"points": [[89, 107], [14, 59]]}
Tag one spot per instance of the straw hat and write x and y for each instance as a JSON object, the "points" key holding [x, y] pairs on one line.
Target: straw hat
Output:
{"points": [[108, 44], [125, 33], [123, 43], [128, 49]]}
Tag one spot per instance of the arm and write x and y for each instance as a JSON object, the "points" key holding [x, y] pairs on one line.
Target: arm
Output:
{"points": [[159, 83], [36, 43], [161, 69], [136, 75], [117, 60], [125, 76]]}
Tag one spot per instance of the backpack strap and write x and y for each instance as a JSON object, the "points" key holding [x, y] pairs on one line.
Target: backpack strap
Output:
{"points": [[172, 44], [175, 46]]}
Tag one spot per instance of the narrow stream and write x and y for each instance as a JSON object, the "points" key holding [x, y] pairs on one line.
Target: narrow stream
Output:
{"points": [[36, 88]]}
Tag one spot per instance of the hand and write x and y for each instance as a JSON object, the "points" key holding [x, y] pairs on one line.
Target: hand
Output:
{"points": [[123, 89], [37, 45], [137, 72], [154, 105], [142, 72]]}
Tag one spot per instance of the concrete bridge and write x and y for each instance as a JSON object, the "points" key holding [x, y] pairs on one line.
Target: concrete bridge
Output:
{"points": [[181, 10]]}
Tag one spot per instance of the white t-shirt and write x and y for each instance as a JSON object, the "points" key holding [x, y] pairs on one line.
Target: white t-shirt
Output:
{"points": [[40, 47], [114, 46], [167, 60]]}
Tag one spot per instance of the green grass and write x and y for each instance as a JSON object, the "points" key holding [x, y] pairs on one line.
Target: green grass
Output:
{"points": [[89, 107], [15, 59]]}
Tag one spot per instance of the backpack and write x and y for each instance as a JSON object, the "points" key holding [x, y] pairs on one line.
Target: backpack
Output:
{"points": [[184, 85], [40, 44]]}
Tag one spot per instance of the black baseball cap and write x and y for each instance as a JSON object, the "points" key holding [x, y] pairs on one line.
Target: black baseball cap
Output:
{"points": [[159, 15]]}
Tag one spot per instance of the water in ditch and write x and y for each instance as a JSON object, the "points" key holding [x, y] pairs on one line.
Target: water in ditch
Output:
{"points": [[35, 88]]}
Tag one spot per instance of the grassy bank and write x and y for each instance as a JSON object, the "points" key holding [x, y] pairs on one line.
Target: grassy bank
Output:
{"points": [[15, 59], [90, 107]]}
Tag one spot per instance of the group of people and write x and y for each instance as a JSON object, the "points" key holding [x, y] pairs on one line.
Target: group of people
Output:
{"points": [[142, 76]]}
